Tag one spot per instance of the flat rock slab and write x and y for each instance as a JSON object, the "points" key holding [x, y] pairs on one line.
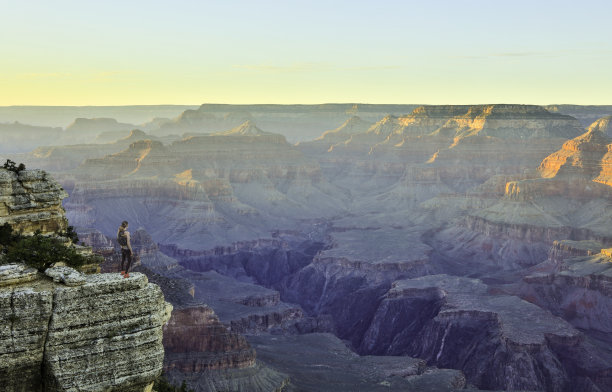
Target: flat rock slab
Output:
{"points": [[66, 275], [12, 274]]}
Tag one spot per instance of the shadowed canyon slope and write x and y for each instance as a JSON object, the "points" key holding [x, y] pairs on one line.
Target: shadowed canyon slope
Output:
{"points": [[470, 237]]}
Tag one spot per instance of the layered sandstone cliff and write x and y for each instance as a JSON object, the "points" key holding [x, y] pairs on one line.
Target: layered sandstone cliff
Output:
{"points": [[603, 125], [30, 200], [461, 146], [498, 341], [200, 350], [67, 331], [566, 201], [105, 333], [578, 288]]}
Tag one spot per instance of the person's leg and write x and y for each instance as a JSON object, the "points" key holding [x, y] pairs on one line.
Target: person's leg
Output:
{"points": [[129, 263], [123, 255]]}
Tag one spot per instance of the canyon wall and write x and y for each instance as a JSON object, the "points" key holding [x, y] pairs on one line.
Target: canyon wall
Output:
{"points": [[64, 330], [105, 333]]}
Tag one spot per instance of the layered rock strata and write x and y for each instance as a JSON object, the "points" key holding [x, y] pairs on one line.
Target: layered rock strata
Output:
{"points": [[203, 352], [603, 125], [104, 333], [212, 215], [196, 341], [30, 200], [579, 289], [443, 136], [224, 278], [199, 349], [498, 341], [567, 201]]}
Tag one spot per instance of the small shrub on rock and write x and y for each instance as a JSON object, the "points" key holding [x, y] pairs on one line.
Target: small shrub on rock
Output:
{"points": [[41, 252], [71, 234], [12, 166], [6, 235]]}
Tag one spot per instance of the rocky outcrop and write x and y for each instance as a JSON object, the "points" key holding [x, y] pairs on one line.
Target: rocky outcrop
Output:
{"points": [[200, 350], [412, 195], [104, 333], [30, 200], [605, 176], [68, 331], [579, 289], [603, 125], [565, 202], [580, 156], [565, 249], [195, 340], [498, 341]]}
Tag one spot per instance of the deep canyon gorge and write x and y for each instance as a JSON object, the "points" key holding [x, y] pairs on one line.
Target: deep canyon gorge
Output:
{"points": [[386, 247]]}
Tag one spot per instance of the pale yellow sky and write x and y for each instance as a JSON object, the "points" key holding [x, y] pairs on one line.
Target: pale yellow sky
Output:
{"points": [[187, 52]]}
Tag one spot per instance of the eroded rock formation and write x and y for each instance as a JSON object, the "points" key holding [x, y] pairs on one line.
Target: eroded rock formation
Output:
{"points": [[566, 201], [104, 334], [498, 341], [30, 200], [202, 351], [578, 288], [445, 189]]}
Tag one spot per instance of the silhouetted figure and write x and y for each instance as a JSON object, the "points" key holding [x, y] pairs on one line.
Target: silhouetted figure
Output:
{"points": [[123, 237]]}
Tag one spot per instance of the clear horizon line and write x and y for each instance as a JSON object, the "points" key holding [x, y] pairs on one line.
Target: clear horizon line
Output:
{"points": [[307, 104]]}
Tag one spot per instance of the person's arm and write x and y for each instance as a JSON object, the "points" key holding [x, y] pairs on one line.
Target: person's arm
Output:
{"points": [[129, 242]]}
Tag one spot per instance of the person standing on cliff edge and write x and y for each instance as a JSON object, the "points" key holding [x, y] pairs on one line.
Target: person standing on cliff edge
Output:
{"points": [[123, 237]]}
